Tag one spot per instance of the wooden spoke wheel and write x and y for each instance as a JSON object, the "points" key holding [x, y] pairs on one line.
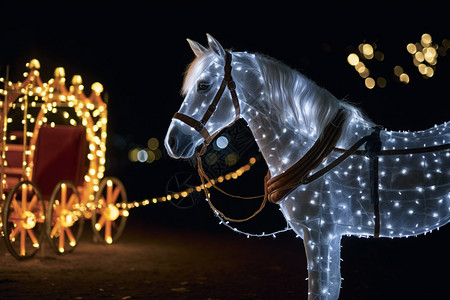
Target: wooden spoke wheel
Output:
{"points": [[64, 221], [110, 214], [184, 182], [23, 218]]}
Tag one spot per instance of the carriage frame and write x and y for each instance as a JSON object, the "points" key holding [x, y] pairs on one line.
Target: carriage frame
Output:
{"points": [[52, 165]]}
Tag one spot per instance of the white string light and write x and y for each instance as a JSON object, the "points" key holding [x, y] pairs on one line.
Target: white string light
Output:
{"points": [[287, 113]]}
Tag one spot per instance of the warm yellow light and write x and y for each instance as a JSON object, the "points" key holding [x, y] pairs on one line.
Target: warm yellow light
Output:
{"points": [[429, 72], [398, 71], [97, 87], [430, 54], [111, 212], [353, 59], [360, 67], [412, 49], [77, 80], [67, 218], [422, 69], [419, 56], [28, 220], [364, 72], [381, 82], [153, 143], [60, 72], [426, 39], [34, 64], [367, 51], [369, 82], [404, 78]]}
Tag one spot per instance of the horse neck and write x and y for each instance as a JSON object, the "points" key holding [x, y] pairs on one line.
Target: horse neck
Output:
{"points": [[280, 131], [285, 135], [280, 144]]}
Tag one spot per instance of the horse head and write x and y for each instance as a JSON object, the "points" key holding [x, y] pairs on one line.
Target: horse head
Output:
{"points": [[210, 104]]}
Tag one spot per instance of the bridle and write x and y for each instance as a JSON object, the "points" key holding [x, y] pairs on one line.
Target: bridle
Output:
{"points": [[199, 126]]}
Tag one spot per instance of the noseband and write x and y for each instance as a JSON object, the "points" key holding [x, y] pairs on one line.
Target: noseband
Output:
{"points": [[199, 126]]}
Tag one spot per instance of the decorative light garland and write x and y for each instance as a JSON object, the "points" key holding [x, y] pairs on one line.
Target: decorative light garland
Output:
{"points": [[183, 194]]}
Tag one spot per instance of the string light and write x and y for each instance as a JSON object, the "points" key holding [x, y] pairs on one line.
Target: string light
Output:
{"points": [[31, 104], [410, 178], [185, 193]]}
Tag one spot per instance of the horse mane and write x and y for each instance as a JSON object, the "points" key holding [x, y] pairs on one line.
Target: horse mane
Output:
{"points": [[195, 69], [291, 95]]}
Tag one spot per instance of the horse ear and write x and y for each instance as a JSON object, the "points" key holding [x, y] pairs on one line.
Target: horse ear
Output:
{"points": [[215, 46], [196, 48]]}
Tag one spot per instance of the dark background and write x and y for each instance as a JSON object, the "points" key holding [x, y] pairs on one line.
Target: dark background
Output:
{"points": [[137, 50]]}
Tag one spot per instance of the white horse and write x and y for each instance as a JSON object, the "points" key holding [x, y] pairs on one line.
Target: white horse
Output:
{"points": [[286, 113]]}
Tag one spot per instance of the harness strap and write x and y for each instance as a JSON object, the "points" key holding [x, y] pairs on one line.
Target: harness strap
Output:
{"points": [[198, 126], [373, 146], [278, 187]]}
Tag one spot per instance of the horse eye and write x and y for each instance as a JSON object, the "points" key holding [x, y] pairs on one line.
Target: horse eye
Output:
{"points": [[202, 86]]}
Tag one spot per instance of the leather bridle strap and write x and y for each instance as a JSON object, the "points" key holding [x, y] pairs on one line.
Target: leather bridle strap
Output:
{"points": [[228, 82]]}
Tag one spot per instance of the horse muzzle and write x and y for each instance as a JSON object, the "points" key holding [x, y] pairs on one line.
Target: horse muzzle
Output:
{"points": [[179, 144]]}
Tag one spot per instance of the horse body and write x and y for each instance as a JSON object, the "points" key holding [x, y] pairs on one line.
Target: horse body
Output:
{"points": [[286, 113]]}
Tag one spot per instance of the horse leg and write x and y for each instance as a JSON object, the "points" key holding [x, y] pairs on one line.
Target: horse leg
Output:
{"points": [[323, 251]]}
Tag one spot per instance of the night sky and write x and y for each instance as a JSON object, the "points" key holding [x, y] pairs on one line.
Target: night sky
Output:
{"points": [[138, 51]]}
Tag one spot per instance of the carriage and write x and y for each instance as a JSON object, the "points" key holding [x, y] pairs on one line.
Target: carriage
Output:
{"points": [[52, 165]]}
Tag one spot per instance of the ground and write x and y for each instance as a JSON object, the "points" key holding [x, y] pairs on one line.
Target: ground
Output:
{"points": [[153, 261]]}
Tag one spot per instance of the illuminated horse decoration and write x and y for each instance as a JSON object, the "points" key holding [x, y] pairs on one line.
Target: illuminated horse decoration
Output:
{"points": [[345, 176]]}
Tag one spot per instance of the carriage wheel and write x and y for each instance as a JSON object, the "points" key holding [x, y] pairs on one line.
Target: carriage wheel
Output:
{"points": [[110, 214], [64, 222], [23, 220], [184, 182]]}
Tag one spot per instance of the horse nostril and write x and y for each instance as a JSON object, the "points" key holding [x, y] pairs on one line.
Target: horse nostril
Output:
{"points": [[172, 142]]}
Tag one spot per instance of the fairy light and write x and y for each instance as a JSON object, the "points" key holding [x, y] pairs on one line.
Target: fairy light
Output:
{"points": [[185, 193], [52, 103], [413, 196]]}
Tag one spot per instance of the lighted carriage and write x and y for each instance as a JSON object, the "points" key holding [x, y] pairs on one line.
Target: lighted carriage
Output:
{"points": [[53, 163]]}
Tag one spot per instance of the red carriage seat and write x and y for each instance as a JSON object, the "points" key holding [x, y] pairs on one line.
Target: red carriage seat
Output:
{"points": [[60, 155]]}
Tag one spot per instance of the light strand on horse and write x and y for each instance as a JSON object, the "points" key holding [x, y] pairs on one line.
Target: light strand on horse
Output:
{"points": [[287, 114]]}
